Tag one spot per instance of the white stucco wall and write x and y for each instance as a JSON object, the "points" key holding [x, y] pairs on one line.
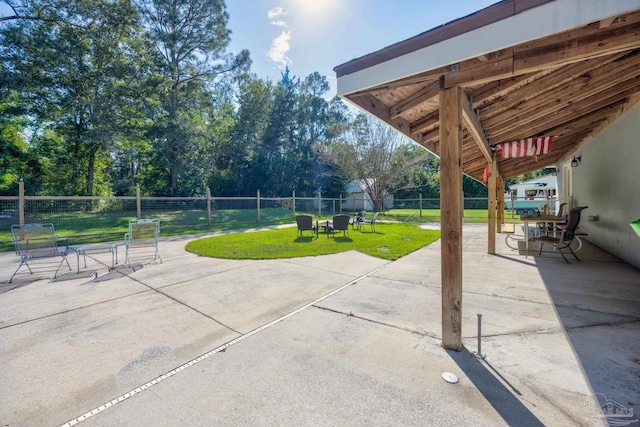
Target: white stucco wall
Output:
{"points": [[608, 181]]}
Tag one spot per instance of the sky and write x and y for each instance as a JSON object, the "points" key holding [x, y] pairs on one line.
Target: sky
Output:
{"points": [[317, 35]]}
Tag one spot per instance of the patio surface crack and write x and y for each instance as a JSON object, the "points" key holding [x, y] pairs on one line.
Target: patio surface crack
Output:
{"points": [[424, 334]]}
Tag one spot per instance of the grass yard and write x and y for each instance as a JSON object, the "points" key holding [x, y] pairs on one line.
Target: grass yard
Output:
{"points": [[390, 241], [433, 215]]}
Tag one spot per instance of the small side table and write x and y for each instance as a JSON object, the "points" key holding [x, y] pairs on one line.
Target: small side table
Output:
{"points": [[98, 248]]}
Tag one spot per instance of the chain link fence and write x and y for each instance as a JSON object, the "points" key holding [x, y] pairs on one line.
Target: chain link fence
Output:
{"points": [[85, 219]]}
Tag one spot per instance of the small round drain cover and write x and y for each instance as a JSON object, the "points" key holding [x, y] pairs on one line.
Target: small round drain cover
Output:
{"points": [[449, 377]]}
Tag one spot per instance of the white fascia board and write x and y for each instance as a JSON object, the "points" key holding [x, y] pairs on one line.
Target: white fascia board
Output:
{"points": [[550, 18]]}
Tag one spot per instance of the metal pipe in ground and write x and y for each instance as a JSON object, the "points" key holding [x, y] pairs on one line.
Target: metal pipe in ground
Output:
{"points": [[479, 334]]}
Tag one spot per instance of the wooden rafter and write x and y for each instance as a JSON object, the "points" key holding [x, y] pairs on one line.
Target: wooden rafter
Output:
{"points": [[587, 85], [548, 84], [568, 113], [473, 126], [570, 85], [377, 108], [428, 92], [552, 51]]}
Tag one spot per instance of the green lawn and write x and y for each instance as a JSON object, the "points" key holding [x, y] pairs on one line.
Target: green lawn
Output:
{"points": [[433, 215], [92, 227], [390, 241]]}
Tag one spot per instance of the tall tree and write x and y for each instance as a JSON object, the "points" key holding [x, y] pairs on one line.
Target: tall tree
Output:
{"points": [[375, 155], [191, 37], [75, 76]]}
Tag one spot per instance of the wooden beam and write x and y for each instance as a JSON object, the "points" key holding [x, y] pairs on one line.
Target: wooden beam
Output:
{"points": [[425, 123], [373, 105], [597, 43], [581, 88], [547, 84], [567, 112], [475, 71], [605, 23], [473, 125], [547, 52], [500, 204], [451, 217], [488, 93], [492, 185], [428, 92]]}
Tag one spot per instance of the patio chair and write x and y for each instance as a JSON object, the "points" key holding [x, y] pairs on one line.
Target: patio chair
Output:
{"points": [[356, 221], [305, 223], [371, 221], [37, 241], [340, 223], [567, 235], [546, 228], [142, 233]]}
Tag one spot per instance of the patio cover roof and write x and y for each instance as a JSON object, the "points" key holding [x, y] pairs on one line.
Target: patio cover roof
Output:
{"points": [[528, 68]]}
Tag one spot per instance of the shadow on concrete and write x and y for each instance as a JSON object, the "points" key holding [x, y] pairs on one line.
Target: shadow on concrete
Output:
{"points": [[597, 301], [500, 397], [514, 259], [119, 271], [72, 275], [17, 283]]}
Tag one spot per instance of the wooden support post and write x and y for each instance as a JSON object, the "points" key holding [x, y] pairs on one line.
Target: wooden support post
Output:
{"points": [[420, 205], [138, 205], [451, 216], [500, 206], [258, 205], [293, 203], [493, 176], [21, 202], [208, 207]]}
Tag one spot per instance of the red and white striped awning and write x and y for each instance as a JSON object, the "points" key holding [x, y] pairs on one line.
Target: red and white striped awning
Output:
{"points": [[525, 147]]}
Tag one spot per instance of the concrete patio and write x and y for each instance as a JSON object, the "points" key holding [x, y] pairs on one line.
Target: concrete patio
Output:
{"points": [[342, 339]]}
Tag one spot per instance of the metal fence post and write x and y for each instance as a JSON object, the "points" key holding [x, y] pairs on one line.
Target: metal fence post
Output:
{"points": [[208, 207], [21, 201], [420, 205], [258, 205], [334, 206], [340, 202], [138, 201], [293, 203], [319, 203]]}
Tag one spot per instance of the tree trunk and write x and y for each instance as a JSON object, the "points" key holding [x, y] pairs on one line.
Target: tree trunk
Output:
{"points": [[90, 174], [173, 166]]}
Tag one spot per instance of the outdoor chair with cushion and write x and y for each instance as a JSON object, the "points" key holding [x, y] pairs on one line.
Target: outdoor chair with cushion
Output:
{"points": [[340, 223], [142, 233], [37, 241], [566, 235], [305, 223], [371, 221]]}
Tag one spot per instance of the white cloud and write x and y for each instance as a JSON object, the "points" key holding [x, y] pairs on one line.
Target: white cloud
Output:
{"points": [[274, 13], [279, 48], [279, 23]]}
